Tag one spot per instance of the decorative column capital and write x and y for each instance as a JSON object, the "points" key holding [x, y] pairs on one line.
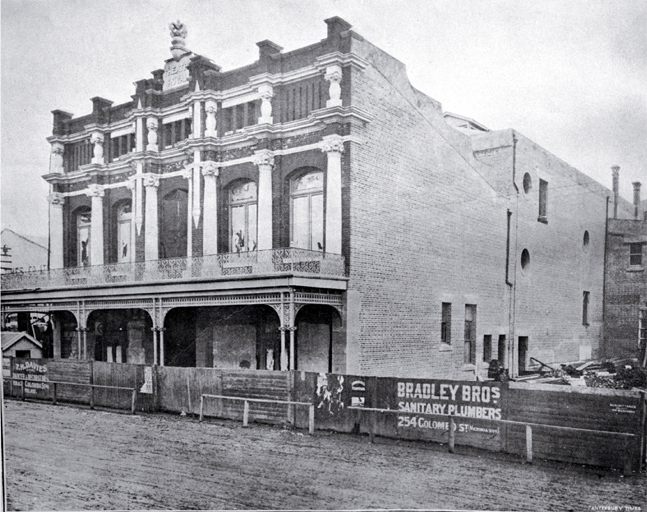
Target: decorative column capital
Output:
{"points": [[265, 91], [210, 107], [332, 143], [264, 157], [152, 123], [151, 180], [210, 169], [187, 173], [58, 148], [333, 73], [131, 183], [56, 199], [95, 190]]}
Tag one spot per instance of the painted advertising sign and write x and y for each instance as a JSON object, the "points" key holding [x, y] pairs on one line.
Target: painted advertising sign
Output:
{"points": [[426, 405], [35, 370]]}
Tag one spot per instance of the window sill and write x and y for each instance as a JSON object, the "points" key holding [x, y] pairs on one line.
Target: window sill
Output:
{"points": [[445, 347], [468, 367], [543, 220], [635, 268]]}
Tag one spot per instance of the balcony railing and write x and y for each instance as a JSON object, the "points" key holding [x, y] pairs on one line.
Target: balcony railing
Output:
{"points": [[217, 266]]}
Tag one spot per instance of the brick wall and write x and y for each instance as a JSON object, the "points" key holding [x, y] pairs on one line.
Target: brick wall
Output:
{"points": [[626, 288], [426, 229]]}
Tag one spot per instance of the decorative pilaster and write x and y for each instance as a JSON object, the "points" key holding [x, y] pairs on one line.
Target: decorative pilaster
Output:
{"points": [[197, 120], [264, 159], [132, 186], [210, 226], [97, 140], [187, 174], [333, 75], [96, 229], [210, 123], [266, 93], [152, 126], [139, 197], [56, 160], [56, 202], [333, 146], [196, 189], [151, 182], [139, 134]]}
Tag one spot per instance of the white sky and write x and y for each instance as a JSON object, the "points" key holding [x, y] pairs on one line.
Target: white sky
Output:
{"points": [[569, 74]]}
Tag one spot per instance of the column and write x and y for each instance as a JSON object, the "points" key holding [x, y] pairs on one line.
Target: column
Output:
{"points": [[210, 226], [266, 92], [56, 335], [333, 75], [151, 182], [96, 229], [97, 140], [264, 159], [138, 205], [56, 201], [333, 145], [210, 123]]}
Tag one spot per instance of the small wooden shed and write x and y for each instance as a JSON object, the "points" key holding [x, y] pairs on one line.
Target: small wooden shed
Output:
{"points": [[20, 344]]}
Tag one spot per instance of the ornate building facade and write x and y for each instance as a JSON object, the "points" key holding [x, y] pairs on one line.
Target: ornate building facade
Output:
{"points": [[311, 211]]}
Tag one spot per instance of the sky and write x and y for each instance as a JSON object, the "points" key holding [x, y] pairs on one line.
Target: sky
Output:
{"points": [[569, 74]]}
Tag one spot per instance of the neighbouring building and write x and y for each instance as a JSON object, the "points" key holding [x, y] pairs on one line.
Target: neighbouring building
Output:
{"points": [[22, 254], [312, 211], [626, 282], [20, 344]]}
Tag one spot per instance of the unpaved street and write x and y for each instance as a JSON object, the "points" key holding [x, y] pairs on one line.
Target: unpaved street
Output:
{"points": [[68, 458]]}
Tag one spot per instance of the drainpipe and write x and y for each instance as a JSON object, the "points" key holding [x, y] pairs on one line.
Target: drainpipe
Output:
{"points": [[512, 289], [604, 282]]}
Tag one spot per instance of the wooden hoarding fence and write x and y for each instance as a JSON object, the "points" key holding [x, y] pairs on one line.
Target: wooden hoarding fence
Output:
{"points": [[57, 384], [246, 401]]}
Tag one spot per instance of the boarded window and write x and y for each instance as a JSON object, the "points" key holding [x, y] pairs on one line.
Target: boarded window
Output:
{"points": [[446, 323], [543, 201], [487, 348], [470, 334]]}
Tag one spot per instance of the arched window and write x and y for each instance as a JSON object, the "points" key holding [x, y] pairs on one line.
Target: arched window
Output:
{"points": [[306, 211], [243, 233], [83, 222], [173, 235], [124, 216]]}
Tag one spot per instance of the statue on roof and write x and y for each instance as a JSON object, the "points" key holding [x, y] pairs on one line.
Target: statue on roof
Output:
{"points": [[178, 33], [178, 29]]}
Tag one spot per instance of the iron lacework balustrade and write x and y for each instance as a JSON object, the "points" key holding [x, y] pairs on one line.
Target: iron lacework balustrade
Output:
{"points": [[217, 266]]}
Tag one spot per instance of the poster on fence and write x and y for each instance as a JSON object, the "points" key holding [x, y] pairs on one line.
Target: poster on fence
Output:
{"points": [[35, 371]]}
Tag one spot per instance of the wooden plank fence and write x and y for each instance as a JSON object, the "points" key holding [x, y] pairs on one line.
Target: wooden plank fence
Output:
{"points": [[601, 427]]}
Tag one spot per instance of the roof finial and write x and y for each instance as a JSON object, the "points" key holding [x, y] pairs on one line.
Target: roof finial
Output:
{"points": [[178, 33]]}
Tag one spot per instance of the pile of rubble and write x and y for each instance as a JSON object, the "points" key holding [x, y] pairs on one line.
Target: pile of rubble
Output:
{"points": [[611, 373]]}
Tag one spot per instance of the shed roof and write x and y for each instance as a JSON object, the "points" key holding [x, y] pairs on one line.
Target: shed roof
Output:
{"points": [[10, 338]]}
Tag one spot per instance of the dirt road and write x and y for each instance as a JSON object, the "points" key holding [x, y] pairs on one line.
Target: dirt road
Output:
{"points": [[67, 458]]}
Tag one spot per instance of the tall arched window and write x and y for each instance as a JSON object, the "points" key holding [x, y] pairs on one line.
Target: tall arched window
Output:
{"points": [[173, 232], [243, 233], [124, 216], [83, 222], [306, 211]]}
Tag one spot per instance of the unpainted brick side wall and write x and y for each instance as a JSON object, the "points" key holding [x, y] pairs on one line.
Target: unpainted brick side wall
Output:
{"points": [[549, 292], [425, 229]]}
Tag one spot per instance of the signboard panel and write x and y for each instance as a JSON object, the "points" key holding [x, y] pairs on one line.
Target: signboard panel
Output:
{"points": [[36, 371]]}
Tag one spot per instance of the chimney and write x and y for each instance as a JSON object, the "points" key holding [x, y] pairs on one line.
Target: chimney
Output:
{"points": [[637, 205], [616, 174]]}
